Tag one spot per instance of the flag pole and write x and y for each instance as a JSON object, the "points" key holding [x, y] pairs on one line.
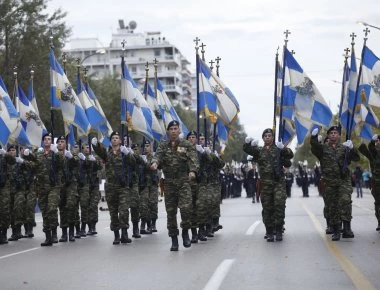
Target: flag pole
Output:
{"points": [[14, 99], [275, 93], [52, 127], [126, 109], [204, 113], [366, 31], [218, 59], [197, 40], [86, 88], [146, 97], [353, 35], [64, 61], [343, 91]]}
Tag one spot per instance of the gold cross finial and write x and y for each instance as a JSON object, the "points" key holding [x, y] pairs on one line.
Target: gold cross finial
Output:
{"points": [[202, 46], [211, 62]]}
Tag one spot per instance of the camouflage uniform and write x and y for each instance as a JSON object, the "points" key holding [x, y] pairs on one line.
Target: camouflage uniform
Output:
{"points": [[133, 197], [337, 180], [30, 201], [270, 161], [214, 183], [93, 194], [176, 162]]}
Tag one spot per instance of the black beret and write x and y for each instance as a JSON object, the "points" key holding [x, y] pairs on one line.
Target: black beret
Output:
{"points": [[172, 124], [134, 146], [333, 128], [11, 146], [201, 135], [62, 137], [268, 130], [146, 142], [191, 133], [47, 134], [114, 133]]}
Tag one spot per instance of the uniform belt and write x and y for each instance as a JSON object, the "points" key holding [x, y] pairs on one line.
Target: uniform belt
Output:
{"points": [[175, 174]]}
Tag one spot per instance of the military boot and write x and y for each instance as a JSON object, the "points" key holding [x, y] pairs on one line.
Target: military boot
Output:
{"points": [[124, 236], [219, 225], [378, 226], [63, 238], [48, 241], [174, 246], [347, 232], [54, 236], [336, 233], [279, 233], [202, 233], [77, 232], [83, 230], [154, 229], [94, 232], [329, 229], [209, 233], [135, 230], [186, 238], [116, 241], [142, 227], [194, 235], [269, 234], [29, 232], [26, 228], [14, 236], [3, 236], [89, 232], [148, 227], [71, 234]]}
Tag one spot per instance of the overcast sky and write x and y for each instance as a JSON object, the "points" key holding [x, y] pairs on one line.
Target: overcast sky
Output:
{"points": [[245, 34]]}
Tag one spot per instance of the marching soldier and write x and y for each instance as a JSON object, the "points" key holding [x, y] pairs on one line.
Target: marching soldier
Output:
{"points": [[335, 158], [271, 159], [133, 192], [178, 160]]}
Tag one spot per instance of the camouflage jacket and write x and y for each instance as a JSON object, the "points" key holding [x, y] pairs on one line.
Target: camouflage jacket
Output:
{"points": [[373, 155], [148, 176], [270, 160], [217, 164], [86, 171], [19, 176], [178, 160], [6, 160]]}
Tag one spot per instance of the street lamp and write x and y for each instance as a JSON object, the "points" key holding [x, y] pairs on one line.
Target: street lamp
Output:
{"points": [[99, 51], [366, 24]]}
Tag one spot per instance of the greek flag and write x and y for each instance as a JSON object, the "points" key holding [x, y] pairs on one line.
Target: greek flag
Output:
{"points": [[349, 88], [8, 115], [63, 94], [32, 97], [303, 127], [302, 95], [30, 120], [167, 110], [369, 86], [152, 102], [215, 99], [135, 110]]}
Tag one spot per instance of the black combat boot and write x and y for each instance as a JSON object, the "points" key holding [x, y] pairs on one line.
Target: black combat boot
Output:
{"points": [[329, 229], [148, 227], [94, 232], [116, 241], [336, 233], [194, 236], [71, 234], [83, 230], [347, 232], [29, 232], [89, 232], [154, 229], [63, 238], [269, 234], [14, 236], [186, 238], [278, 233], [135, 230], [378, 226], [3, 236], [209, 233], [77, 232], [54, 236], [174, 246], [202, 233], [124, 236], [142, 227], [26, 227], [48, 241]]}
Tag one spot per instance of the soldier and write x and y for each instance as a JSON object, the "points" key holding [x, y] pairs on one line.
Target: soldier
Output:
{"points": [[116, 160], [271, 160], [372, 152], [6, 160], [335, 158], [178, 160], [302, 169], [289, 179]]}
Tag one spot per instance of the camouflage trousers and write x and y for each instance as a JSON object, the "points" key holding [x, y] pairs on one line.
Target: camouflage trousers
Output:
{"points": [[17, 207], [153, 201], [338, 194], [5, 205], [29, 206], [273, 201], [117, 202], [149, 202], [83, 202], [133, 200], [94, 197], [194, 196], [178, 195], [68, 205], [49, 199], [204, 204], [215, 199], [376, 195]]}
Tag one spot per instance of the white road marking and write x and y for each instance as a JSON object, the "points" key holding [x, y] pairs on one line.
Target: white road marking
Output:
{"points": [[219, 275], [252, 228], [17, 253]]}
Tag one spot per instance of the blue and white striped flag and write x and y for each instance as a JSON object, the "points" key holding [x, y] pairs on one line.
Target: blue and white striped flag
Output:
{"points": [[64, 96], [152, 102], [8, 115], [135, 110], [370, 78], [32, 97]]}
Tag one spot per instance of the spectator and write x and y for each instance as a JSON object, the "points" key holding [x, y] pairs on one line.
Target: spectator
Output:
{"points": [[358, 181]]}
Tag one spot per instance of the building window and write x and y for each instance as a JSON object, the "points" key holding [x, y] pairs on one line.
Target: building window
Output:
{"points": [[134, 69], [157, 52]]}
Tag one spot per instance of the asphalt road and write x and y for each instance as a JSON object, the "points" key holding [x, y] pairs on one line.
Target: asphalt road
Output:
{"points": [[238, 257]]}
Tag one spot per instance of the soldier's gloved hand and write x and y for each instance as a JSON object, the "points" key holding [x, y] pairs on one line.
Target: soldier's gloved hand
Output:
{"points": [[254, 142], [19, 160], [94, 141], [81, 156], [319, 138], [216, 153], [280, 145], [68, 154], [2, 151], [40, 150], [26, 152], [91, 158], [191, 175], [207, 150], [375, 137], [54, 148], [249, 157], [181, 136], [144, 158], [348, 144], [199, 148], [154, 166], [125, 150], [314, 132], [248, 140]]}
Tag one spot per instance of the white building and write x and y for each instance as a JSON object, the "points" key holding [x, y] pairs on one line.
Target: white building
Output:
{"points": [[140, 48]]}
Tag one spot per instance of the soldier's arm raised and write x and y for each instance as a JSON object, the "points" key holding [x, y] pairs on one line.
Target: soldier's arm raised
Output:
{"points": [[254, 151], [100, 151], [316, 147], [363, 149], [354, 155], [372, 148]]}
